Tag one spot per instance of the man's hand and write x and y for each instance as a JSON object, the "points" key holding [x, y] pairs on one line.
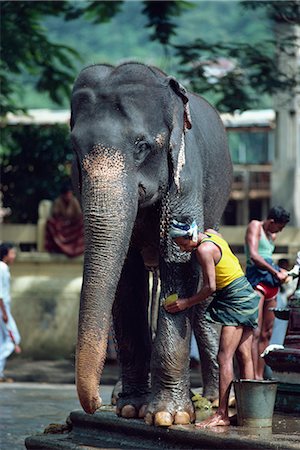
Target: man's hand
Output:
{"points": [[180, 305], [18, 349], [282, 275]]}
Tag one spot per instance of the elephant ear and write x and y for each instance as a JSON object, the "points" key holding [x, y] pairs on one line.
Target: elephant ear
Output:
{"points": [[181, 123]]}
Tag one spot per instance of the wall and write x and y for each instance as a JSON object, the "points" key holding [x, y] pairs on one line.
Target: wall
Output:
{"points": [[45, 303]]}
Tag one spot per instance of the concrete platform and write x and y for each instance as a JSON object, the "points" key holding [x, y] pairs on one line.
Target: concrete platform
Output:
{"points": [[27, 408], [105, 430]]}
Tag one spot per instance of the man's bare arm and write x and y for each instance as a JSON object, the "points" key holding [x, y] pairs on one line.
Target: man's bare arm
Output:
{"points": [[205, 255], [252, 239]]}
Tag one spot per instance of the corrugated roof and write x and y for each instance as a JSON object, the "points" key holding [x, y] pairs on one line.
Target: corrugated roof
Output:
{"points": [[38, 117], [251, 118], [260, 118]]}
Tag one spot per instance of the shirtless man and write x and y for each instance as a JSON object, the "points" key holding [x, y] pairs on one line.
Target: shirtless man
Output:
{"points": [[235, 305]]}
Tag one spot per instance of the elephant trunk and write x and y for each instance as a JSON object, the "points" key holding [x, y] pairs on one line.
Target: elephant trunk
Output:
{"points": [[109, 209]]}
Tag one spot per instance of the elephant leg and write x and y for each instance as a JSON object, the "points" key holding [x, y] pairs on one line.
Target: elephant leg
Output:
{"points": [[133, 336], [207, 339], [170, 402]]}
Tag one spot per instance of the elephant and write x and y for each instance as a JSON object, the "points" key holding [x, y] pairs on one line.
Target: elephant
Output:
{"points": [[145, 151]]}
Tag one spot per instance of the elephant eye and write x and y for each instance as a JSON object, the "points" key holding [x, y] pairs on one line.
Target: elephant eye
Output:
{"points": [[142, 150]]}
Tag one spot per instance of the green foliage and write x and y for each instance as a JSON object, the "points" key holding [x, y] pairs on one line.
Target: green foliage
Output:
{"points": [[254, 71], [97, 12], [37, 55], [160, 15], [27, 49], [35, 161], [279, 11]]}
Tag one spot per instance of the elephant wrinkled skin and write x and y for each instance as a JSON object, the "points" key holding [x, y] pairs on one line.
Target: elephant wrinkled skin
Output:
{"points": [[145, 151]]}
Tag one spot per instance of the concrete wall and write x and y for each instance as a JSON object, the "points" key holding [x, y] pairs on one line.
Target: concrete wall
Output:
{"points": [[45, 303]]}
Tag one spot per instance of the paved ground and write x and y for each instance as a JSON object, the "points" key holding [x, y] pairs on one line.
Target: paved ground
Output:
{"points": [[44, 393], [28, 408]]}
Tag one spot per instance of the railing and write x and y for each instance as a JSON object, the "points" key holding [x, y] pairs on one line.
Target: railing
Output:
{"points": [[251, 181], [29, 238]]}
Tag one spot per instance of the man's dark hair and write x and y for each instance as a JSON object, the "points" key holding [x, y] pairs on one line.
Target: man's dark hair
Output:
{"points": [[279, 215], [4, 249], [283, 262]]}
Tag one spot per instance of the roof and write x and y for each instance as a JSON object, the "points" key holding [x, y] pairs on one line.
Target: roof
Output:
{"points": [[38, 117], [251, 118]]}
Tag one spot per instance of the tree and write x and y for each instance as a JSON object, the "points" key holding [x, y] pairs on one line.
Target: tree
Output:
{"points": [[160, 15], [34, 165], [235, 75], [26, 50], [238, 74]]}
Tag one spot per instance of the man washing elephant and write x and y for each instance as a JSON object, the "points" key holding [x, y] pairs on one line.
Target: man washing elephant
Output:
{"points": [[145, 150], [235, 305]]}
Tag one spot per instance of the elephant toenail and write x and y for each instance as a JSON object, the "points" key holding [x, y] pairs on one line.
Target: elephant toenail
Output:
{"points": [[142, 411], [163, 419], [182, 418], [128, 411]]}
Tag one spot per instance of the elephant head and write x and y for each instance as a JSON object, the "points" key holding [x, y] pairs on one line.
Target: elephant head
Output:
{"points": [[127, 130]]}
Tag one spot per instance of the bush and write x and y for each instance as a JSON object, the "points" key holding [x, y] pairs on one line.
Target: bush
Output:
{"points": [[35, 161]]}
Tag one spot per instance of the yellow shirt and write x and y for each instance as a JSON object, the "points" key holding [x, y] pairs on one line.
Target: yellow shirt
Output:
{"points": [[228, 268]]}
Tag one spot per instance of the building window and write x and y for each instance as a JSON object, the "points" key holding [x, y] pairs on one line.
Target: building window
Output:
{"points": [[251, 146]]}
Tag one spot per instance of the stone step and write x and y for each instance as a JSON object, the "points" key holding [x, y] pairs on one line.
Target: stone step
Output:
{"points": [[104, 430]]}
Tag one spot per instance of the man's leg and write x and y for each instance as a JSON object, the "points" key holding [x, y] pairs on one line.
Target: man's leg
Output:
{"points": [[256, 335], [265, 334], [243, 353], [229, 341]]}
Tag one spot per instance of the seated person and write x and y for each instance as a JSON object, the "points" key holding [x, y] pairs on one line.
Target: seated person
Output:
{"points": [[64, 229]]}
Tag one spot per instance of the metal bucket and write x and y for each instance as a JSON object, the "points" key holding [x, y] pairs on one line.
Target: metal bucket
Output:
{"points": [[255, 402]]}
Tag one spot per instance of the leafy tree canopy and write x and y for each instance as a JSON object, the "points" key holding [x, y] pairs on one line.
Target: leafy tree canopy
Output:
{"points": [[27, 51], [279, 11], [30, 55], [238, 74], [31, 170]]}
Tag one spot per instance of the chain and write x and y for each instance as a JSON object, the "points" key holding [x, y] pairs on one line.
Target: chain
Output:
{"points": [[165, 219]]}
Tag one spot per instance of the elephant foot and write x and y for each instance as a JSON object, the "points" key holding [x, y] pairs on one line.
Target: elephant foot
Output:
{"points": [[132, 407], [163, 414]]}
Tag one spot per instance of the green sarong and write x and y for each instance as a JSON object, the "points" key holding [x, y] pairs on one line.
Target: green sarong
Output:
{"points": [[235, 304]]}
